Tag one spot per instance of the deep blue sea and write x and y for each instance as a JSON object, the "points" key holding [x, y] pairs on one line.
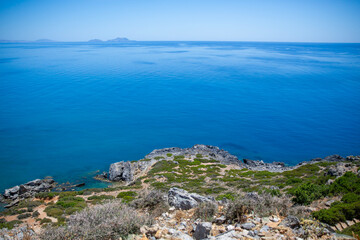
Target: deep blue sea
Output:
{"points": [[69, 109]]}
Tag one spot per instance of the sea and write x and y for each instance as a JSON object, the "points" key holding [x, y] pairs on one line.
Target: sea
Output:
{"points": [[69, 110]]}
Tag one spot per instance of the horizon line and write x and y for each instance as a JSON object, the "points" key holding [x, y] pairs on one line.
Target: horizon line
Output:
{"points": [[132, 41]]}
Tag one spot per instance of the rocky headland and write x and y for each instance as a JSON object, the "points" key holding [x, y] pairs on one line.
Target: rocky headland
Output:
{"points": [[201, 192]]}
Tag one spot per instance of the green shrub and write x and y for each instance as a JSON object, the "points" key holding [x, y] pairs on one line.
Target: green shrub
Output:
{"points": [[348, 183], [158, 157], [308, 192], [54, 211], [97, 199], [9, 225], [338, 212], [35, 214], [229, 196], [29, 204], [169, 154], [24, 215], [46, 195], [127, 196], [45, 220], [352, 229], [70, 201], [350, 198]]}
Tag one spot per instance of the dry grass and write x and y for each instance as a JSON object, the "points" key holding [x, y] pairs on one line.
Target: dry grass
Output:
{"points": [[206, 211], [155, 202], [110, 220], [262, 205]]}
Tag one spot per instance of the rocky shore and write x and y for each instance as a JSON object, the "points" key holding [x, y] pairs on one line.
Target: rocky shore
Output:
{"points": [[128, 171], [201, 192]]}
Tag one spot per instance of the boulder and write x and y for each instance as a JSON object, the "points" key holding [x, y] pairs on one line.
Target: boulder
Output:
{"points": [[121, 171], [182, 199], [291, 222], [202, 230], [126, 171]]}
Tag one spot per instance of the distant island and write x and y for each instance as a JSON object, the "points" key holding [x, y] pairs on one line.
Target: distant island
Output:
{"points": [[44, 40]]}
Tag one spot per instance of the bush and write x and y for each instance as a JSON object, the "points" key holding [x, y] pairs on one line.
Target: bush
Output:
{"points": [[350, 198], [308, 192], [45, 220], [154, 201], [46, 195], [236, 211], [98, 199], [35, 214], [348, 183], [352, 229], [29, 204], [9, 225], [261, 204], [205, 211], [70, 201], [54, 211], [338, 212], [111, 220], [24, 215], [127, 196], [229, 196]]}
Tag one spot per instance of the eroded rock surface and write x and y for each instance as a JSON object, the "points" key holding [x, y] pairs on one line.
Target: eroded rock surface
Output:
{"points": [[27, 190], [182, 199]]}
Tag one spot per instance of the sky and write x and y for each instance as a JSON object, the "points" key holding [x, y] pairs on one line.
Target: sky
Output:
{"points": [[182, 20]]}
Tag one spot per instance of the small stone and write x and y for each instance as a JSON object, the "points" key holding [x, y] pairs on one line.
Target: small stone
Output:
{"points": [[220, 220], [274, 219], [158, 234], [265, 228], [248, 226], [202, 230], [230, 227]]}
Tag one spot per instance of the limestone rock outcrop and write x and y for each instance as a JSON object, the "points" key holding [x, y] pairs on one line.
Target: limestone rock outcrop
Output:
{"points": [[182, 199]]}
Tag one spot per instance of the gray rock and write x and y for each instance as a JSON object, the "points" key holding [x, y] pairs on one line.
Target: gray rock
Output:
{"points": [[181, 199], [259, 165], [28, 189], [125, 171], [230, 227], [205, 150], [230, 235], [328, 203], [265, 228], [121, 171], [248, 226], [181, 235], [337, 170], [334, 158], [291, 222], [220, 220], [202, 230]]}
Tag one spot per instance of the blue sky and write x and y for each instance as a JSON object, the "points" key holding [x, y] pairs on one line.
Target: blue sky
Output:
{"points": [[193, 20]]}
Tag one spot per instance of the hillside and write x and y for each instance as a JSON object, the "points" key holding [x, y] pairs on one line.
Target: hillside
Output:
{"points": [[199, 192]]}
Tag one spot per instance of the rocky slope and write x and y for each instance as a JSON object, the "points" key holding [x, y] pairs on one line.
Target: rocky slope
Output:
{"points": [[201, 192]]}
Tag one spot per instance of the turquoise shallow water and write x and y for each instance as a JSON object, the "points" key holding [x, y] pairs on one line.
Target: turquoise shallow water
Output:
{"points": [[69, 109]]}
